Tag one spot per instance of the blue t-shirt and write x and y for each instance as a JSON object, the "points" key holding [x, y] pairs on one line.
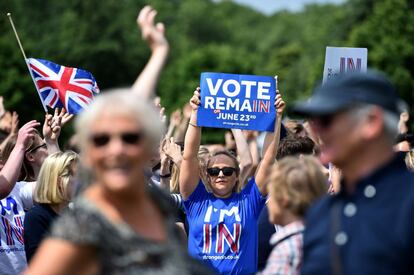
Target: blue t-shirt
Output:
{"points": [[224, 232]]}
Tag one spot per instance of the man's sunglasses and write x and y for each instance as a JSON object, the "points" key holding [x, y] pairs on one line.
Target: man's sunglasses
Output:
{"points": [[325, 121], [100, 140], [43, 145], [215, 171]]}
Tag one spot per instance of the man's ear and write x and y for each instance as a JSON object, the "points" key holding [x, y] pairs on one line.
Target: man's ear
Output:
{"points": [[374, 126]]}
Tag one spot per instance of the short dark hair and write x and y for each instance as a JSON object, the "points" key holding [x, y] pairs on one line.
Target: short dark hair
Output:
{"points": [[291, 146]]}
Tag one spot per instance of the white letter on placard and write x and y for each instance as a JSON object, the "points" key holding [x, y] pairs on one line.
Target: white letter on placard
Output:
{"points": [[263, 88], [226, 88], [209, 102], [233, 104], [220, 103], [246, 106], [248, 85], [214, 90]]}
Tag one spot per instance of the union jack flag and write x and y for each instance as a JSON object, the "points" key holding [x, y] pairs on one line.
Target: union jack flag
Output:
{"points": [[63, 87]]}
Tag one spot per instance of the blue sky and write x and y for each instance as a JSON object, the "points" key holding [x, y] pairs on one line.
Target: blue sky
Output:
{"points": [[271, 6]]}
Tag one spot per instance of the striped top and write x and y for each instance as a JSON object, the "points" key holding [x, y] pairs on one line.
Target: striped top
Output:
{"points": [[286, 256]]}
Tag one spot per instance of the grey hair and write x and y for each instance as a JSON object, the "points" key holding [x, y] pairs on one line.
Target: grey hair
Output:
{"points": [[390, 119], [121, 103]]}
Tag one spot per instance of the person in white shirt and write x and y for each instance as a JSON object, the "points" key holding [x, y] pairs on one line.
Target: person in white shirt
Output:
{"points": [[23, 156]]}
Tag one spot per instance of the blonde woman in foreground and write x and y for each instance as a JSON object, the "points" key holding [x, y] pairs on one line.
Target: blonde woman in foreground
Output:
{"points": [[53, 192]]}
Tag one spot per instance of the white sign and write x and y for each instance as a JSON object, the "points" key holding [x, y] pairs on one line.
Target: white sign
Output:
{"points": [[342, 60]]}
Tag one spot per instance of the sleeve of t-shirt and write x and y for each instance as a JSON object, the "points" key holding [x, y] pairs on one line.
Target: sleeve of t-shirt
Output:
{"points": [[26, 193], [193, 202], [255, 199], [35, 228], [79, 226]]}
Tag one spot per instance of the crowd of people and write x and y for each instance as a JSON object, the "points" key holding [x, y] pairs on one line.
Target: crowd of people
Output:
{"points": [[135, 193]]}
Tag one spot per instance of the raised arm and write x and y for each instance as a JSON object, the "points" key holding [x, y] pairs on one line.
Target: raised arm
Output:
{"points": [[182, 128], [165, 172], [52, 127], [175, 121], [251, 137], [14, 128], [243, 151], [11, 169], [146, 83], [269, 152], [190, 170]]}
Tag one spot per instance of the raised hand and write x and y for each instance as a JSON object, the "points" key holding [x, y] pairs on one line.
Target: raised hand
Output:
{"points": [[175, 118], [187, 111], [163, 157], [229, 140], [52, 126], [153, 34], [250, 135], [146, 83], [65, 116], [26, 134], [5, 122], [160, 109], [195, 100], [279, 104], [172, 150], [14, 124]]}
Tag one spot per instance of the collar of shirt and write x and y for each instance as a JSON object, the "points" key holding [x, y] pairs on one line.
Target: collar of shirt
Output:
{"points": [[395, 164], [286, 231]]}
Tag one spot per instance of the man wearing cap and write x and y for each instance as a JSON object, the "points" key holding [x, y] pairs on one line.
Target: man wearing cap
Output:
{"points": [[368, 227]]}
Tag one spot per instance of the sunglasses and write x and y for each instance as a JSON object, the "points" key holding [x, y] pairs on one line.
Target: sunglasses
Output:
{"points": [[215, 171], [325, 121], [43, 145], [101, 140]]}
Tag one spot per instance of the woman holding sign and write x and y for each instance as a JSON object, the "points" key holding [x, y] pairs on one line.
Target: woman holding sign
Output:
{"points": [[223, 223]]}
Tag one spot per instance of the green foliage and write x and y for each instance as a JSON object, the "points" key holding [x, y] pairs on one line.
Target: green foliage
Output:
{"points": [[102, 37], [388, 33]]}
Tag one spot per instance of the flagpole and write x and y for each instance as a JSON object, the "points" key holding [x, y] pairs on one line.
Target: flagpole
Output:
{"points": [[25, 59], [277, 88]]}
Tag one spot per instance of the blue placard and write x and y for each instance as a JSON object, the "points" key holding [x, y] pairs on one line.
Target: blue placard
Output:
{"points": [[237, 101]]}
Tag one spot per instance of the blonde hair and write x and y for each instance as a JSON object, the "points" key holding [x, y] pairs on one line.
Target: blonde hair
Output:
{"points": [[55, 169], [174, 182], [298, 180], [409, 160]]}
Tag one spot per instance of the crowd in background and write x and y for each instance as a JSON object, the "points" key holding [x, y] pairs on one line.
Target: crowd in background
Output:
{"points": [[133, 192]]}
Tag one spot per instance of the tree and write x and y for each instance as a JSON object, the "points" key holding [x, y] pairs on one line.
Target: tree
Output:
{"points": [[387, 33]]}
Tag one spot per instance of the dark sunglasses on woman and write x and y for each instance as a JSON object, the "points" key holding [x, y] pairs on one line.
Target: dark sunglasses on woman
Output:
{"points": [[34, 149], [215, 171], [102, 139]]}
